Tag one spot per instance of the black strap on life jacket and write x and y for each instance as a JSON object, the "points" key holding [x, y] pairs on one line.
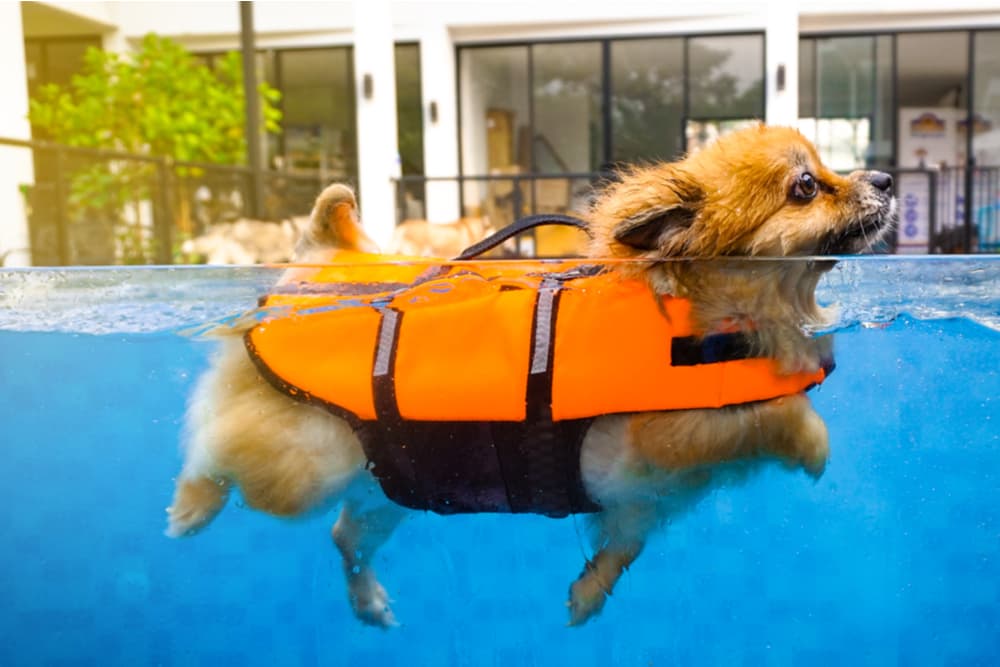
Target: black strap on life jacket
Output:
{"points": [[460, 467], [519, 227]]}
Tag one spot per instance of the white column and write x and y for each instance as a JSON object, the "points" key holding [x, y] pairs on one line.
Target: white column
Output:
{"points": [[378, 149], [437, 77], [16, 168], [782, 51]]}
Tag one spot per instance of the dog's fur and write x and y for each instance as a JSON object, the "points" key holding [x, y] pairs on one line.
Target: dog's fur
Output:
{"points": [[420, 238], [741, 196], [246, 242]]}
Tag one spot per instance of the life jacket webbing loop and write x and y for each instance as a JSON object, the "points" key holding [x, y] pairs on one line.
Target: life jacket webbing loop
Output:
{"points": [[519, 227]]}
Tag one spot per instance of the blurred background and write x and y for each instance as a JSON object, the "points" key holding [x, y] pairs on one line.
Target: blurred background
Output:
{"points": [[127, 135]]}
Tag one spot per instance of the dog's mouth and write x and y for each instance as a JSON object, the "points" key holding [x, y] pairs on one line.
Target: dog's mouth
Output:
{"points": [[862, 234]]}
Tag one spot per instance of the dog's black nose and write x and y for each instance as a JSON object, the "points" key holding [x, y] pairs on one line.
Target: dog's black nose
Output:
{"points": [[880, 180]]}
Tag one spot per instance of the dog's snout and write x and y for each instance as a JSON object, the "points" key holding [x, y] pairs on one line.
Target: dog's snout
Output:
{"points": [[880, 180]]}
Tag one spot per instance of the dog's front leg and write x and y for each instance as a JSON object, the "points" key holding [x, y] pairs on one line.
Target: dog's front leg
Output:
{"points": [[620, 534], [358, 535]]}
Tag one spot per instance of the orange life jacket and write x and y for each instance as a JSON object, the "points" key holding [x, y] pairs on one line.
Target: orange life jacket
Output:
{"points": [[472, 384], [461, 346]]}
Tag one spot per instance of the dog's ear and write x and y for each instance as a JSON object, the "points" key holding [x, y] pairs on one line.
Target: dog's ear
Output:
{"points": [[657, 227], [655, 208]]}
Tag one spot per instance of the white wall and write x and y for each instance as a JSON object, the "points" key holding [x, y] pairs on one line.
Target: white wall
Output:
{"points": [[15, 163], [215, 24], [781, 40], [437, 61], [378, 156]]}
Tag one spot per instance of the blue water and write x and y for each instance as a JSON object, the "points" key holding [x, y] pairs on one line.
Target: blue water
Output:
{"points": [[893, 557]]}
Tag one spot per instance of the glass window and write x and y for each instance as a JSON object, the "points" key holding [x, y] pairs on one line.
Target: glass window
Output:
{"points": [[986, 139], [34, 64], [409, 108], [933, 95], [842, 142], [700, 133], [647, 99], [726, 77], [495, 108], [844, 73], [496, 118], [807, 78], [317, 87], [881, 151], [568, 132], [841, 78], [410, 126], [933, 98]]}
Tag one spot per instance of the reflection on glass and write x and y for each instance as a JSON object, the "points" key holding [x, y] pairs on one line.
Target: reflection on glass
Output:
{"points": [[807, 78], [726, 77], [933, 99], [568, 134], [840, 80], [880, 153], [844, 72], [317, 87], [843, 143], [410, 127], [986, 141], [409, 108], [647, 99], [932, 96], [496, 108], [699, 133]]}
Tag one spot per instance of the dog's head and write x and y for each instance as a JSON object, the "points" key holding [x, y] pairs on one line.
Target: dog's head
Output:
{"points": [[762, 191]]}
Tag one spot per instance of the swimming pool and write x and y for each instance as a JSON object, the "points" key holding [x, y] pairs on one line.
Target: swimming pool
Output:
{"points": [[892, 557]]}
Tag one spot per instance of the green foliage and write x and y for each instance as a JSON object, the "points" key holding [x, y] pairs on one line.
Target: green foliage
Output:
{"points": [[159, 101]]}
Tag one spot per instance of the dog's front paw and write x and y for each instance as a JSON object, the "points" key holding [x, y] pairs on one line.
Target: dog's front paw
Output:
{"points": [[586, 596], [369, 600], [815, 444], [806, 441]]}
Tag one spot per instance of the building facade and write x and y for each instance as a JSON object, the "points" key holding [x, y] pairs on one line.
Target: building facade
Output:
{"points": [[439, 110]]}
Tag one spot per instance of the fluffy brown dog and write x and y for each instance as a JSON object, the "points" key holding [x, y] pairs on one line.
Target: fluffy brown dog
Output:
{"points": [[760, 192], [420, 238]]}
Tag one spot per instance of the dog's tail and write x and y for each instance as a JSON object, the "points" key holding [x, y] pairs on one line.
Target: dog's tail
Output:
{"points": [[334, 223]]}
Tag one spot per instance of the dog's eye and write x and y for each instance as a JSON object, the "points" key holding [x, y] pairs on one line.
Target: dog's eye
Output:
{"points": [[805, 187]]}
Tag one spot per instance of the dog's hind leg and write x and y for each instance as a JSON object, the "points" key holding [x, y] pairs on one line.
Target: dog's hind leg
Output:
{"points": [[196, 502], [620, 536], [198, 496], [358, 534]]}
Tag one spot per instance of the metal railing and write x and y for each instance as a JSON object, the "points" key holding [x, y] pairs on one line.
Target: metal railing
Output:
{"points": [[99, 206]]}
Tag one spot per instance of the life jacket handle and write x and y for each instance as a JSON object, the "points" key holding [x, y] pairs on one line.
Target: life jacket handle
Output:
{"points": [[518, 227]]}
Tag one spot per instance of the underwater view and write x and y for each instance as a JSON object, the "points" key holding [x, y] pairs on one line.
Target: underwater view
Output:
{"points": [[892, 556]]}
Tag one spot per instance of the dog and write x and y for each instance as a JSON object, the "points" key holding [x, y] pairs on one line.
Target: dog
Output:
{"points": [[246, 242], [420, 238], [760, 192]]}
